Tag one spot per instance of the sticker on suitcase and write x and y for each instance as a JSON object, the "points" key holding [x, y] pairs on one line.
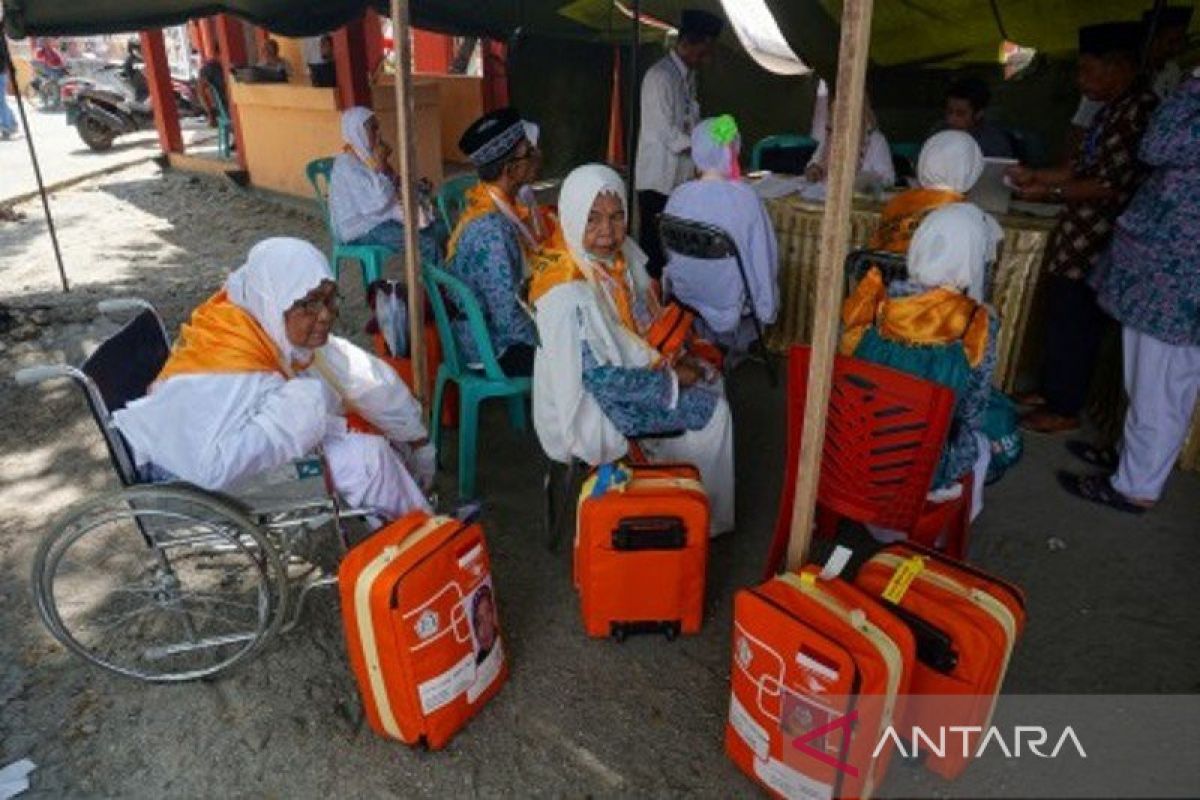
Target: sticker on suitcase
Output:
{"points": [[473, 620]]}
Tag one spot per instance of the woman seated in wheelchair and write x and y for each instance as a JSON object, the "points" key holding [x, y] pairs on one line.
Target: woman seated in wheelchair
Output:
{"points": [[934, 325], [256, 380], [597, 382], [363, 205], [714, 289]]}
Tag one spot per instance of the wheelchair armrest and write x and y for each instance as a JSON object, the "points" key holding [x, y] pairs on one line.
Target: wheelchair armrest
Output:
{"points": [[123, 305], [31, 376]]}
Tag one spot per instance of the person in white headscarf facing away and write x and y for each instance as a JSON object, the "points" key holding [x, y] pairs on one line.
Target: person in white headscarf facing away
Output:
{"points": [[714, 288], [596, 382], [363, 205], [255, 380], [934, 325], [949, 165]]}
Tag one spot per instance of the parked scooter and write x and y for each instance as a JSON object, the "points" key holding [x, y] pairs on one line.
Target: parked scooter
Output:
{"points": [[118, 103]]}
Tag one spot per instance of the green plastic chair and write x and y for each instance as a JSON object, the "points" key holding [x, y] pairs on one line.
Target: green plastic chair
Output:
{"points": [[372, 257], [474, 384], [909, 150], [778, 141], [452, 198], [224, 124]]}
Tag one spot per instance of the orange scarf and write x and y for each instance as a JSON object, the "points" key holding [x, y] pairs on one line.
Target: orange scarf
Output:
{"points": [[551, 266], [480, 202], [904, 212], [939, 316], [221, 337], [615, 278]]}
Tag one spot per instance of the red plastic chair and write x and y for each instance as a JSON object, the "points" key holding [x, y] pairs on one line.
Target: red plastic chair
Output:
{"points": [[884, 437]]}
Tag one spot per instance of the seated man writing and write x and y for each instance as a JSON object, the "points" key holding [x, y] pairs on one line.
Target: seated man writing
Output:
{"points": [[255, 380], [597, 382], [498, 231]]}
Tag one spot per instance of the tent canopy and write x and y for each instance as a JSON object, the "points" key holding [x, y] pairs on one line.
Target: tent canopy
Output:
{"points": [[942, 32]]}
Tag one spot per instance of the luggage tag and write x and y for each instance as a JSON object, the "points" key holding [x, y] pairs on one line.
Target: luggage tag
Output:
{"points": [[836, 562], [610, 476], [902, 578]]}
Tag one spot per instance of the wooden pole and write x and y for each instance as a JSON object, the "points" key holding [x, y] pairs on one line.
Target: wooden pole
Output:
{"points": [[405, 126], [835, 235]]}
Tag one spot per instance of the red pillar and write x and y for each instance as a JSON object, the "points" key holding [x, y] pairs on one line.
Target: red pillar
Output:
{"points": [[158, 76], [208, 36], [495, 75], [373, 33], [233, 53], [432, 52], [260, 40], [350, 58]]}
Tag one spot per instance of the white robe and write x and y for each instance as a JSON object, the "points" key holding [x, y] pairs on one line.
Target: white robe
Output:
{"points": [[571, 424], [219, 430], [359, 199]]}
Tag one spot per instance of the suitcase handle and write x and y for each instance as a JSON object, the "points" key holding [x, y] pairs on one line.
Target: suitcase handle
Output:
{"points": [[650, 533], [934, 646]]}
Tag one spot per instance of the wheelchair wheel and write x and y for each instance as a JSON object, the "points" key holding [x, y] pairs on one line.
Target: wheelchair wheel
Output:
{"points": [[160, 583]]}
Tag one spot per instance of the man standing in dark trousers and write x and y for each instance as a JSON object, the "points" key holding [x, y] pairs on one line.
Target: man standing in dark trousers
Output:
{"points": [[669, 111], [1095, 185]]}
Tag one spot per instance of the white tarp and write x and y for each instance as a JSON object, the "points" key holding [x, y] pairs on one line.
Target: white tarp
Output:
{"points": [[759, 34]]}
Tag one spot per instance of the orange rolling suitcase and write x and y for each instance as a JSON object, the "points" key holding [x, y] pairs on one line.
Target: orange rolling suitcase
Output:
{"points": [[819, 669], [967, 623], [422, 634], [641, 550]]}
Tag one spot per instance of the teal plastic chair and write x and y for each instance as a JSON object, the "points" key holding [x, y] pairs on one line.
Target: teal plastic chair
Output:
{"points": [[452, 198], [224, 124], [372, 257], [474, 384], [909, 150], [778, 141]]}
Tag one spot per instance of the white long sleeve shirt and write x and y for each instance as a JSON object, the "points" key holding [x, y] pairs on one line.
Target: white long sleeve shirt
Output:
{"points": [[669, 112], [359, 199]]}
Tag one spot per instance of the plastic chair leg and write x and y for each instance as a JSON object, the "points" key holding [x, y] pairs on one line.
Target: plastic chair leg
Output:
{"points": [[335, 264], [516, 413], [435, 421], [468, 434], [372, 270]]}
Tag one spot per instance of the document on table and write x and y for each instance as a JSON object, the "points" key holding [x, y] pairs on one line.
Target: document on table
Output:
{"points": [[771, 187]]}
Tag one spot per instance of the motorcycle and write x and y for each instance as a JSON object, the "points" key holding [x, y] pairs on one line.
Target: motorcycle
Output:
{"points": [[117, 102]]}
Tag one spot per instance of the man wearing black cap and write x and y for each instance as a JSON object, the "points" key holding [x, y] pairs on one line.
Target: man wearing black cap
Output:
{"points": [[1095, 186], [497, 230], [669, 111], [1168, 44]]}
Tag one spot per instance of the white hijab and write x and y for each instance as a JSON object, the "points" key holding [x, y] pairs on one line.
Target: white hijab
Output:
{"points": [[951, 248], [277, 273], [950, 160], [354, 131], [575, 200]]}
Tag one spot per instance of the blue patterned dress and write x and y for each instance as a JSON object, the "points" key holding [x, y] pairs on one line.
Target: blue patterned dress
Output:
{"points": [[637, 400], [1149, 280], [488, 259]]}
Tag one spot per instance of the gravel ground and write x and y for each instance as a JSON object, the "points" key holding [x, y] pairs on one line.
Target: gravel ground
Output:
{"points": [[1110, 595]]}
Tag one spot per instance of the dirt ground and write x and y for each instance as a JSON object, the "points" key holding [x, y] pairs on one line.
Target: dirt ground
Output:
{"points": [[1111, 598]]}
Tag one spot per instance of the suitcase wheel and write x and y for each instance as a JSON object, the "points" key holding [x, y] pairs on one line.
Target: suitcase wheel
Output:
{"points": [[620, 631]]}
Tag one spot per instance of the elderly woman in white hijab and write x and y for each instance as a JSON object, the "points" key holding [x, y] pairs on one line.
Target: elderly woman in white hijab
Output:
{"points": [[948, 167], [363, 205], [714, 289], [255, 380], [934, 325], [596, 382]]}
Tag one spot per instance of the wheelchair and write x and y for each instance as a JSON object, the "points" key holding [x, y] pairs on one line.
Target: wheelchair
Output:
{"points": [[163, 581]]}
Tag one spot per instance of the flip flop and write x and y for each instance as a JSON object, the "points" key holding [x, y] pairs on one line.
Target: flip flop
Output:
{"points": [[1097, 489], [1100, 457]]}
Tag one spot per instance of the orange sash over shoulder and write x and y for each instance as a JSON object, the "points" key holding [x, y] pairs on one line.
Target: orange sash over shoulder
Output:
{"points": [[939, 316], [221, 337], [480, 202], [904, 212], [550, 266]]}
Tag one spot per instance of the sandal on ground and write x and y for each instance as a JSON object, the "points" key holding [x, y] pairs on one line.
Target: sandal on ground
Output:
{"points": [[1100, 457], [1029, 399], [1098, 489]]}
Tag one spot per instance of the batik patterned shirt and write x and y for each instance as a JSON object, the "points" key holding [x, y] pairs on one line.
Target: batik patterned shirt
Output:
{"points": [[1109, 153], [638, 400], [1150, 278]]}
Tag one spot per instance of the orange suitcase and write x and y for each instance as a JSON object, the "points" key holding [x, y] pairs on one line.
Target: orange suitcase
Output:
{"points": [[819, 672], [967, 623], [419, 611], [641, 552]]}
